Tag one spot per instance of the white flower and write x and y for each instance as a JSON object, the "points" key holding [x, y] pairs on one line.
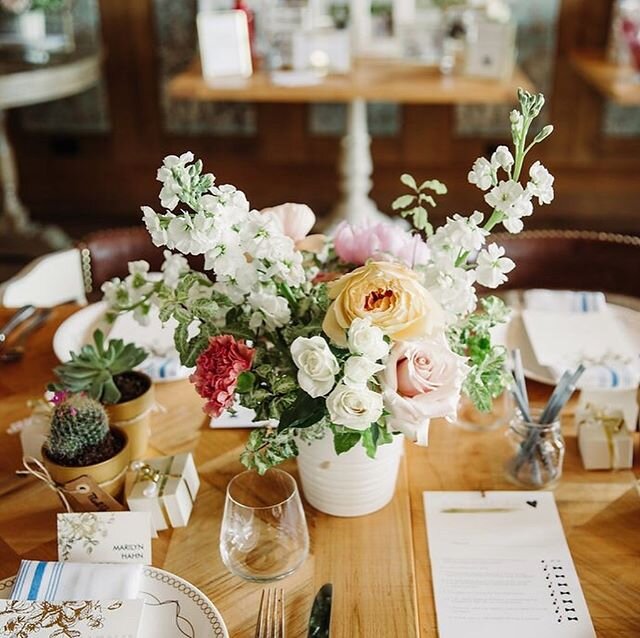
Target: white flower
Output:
{"points": [[317, 366], [504, 195], [493, 266], [354, 407], [358, 370], [459, 233], [152, 222], [269, 309], [172, 268], [541, 184], [367, 340], [139, 267], [452, 286], [516, 119], [482, 174], [421, 381], [502, 158]]}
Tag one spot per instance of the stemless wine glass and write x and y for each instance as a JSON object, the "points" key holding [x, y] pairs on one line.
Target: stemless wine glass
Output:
{"points": [[264, 533]]}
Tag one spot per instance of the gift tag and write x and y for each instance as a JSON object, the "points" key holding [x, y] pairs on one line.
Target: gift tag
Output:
{"points": [[105, 537], [85, 495]]}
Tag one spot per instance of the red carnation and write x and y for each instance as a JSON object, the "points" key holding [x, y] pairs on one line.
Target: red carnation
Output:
{"points": [[217, 371]]}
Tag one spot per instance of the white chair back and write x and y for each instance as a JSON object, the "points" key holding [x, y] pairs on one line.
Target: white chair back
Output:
{"points": [[47, 281]]}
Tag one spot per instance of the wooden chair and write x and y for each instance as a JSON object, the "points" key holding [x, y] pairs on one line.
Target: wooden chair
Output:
{"points": [[573, 260]]}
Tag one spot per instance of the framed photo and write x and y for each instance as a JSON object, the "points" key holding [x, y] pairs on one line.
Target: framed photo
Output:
{"points": [[225, 51], [491, 52]]}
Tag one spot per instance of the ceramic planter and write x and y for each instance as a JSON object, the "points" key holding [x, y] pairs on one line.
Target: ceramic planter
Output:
{"points": [[134, 417], [350, 484], [109, 474]]}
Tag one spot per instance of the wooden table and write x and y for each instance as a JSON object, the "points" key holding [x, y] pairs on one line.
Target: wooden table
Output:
{"points": [[369, 80], [378, 564], [616, 82]]}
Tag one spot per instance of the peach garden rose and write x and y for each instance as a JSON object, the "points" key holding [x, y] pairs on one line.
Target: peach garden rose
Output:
{"points": [[390, 295]]}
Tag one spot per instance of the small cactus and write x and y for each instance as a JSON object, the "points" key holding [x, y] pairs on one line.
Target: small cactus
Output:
{"points": [[79, 424]]}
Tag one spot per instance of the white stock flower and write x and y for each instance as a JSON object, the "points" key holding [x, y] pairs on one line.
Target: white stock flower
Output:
{"points": [[459, 233], [354, 406], [482, 174], [516, 119], [317, 366], [493, 266], [139, 267], [269, 309], [502, 158], [172, 268], [513, 201], [541, 184], [152, 222], [359, 369], [452, 287], [367, 340]]}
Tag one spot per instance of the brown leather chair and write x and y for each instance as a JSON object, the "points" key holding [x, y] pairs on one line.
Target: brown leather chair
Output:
{"points": [[573, 260], [105, 254]]}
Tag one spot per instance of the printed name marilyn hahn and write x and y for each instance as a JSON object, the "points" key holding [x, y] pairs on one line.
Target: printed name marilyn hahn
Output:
{"points": [[133, 551]]}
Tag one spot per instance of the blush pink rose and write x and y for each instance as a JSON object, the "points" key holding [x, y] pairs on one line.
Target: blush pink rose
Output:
{"points": [[356, 244], [217, 371], [296, 222], [422, 380]]}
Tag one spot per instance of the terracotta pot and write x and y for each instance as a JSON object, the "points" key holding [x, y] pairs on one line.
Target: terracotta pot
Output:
{"points": [[134, 417], [109, 474]]}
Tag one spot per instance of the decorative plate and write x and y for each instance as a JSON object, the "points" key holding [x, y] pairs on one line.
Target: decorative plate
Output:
{"points": [[173, 607], [163, 363]]}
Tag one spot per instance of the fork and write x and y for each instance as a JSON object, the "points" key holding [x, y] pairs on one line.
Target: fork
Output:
{"points": [[270, 623]]}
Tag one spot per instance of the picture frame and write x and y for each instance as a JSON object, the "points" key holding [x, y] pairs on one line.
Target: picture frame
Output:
{"points": [[225, 50]]}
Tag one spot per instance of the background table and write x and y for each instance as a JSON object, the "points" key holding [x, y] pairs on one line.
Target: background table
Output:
{"points": [[369, 80], [378, 564]]}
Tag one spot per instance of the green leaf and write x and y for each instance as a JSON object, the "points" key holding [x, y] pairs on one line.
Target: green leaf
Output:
{"points": [[403, 201], [369, 442], [305, 412], [344, 441], [543, 134], [245, 382], [434, 185], [408, 180]]}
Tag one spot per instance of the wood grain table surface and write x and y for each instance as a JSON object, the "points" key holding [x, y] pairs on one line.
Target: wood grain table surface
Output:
{"points": [[369, 79], [378, 564]]}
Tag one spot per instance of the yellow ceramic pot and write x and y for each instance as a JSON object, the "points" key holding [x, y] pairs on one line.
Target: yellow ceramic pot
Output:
{"points": [[134, 418], [109, 474]]}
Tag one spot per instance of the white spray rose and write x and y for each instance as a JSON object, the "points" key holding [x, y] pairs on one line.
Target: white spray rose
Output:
{"points": [[317, 367], [358, 370], [354, 406], [269, 309], [367, 340]]}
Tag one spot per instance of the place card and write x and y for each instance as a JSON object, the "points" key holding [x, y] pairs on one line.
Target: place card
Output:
{"points": [[105, 537], [501, 567], [83, 618]]}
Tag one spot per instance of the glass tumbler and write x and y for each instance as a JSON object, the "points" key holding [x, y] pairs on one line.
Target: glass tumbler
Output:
{"points": [[264, 534], [536, 452]]}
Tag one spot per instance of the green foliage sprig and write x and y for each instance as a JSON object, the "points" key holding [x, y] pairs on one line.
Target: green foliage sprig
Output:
{"points": [[414, 205]]}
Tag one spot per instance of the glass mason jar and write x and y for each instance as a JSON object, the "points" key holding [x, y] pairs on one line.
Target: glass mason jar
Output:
{"points": [[474, 420], [536, 452]]}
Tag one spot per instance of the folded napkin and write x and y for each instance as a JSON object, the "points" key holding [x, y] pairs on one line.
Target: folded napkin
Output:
{"points": [[564, 300], [613, 368], [40, 580]]}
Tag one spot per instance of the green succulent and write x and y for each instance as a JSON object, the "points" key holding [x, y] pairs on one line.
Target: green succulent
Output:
{"points": [[92, 369], [78, 424]]}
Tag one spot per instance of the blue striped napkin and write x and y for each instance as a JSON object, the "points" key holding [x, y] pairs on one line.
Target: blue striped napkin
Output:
{"points": [[41, 580], [564, 300]]}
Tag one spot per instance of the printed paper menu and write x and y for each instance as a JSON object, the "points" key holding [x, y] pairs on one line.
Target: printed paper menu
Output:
{"points": [[501, 567]]}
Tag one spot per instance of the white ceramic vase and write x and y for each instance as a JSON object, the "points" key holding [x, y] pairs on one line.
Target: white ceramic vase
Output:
{"points": [[349, 484]]}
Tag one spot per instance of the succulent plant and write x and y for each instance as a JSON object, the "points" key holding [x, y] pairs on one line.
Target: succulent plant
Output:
{"points": [[93, 369], [79, 424]]}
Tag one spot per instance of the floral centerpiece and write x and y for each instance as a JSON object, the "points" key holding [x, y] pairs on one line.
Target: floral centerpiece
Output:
{"points": [[361, 336]]}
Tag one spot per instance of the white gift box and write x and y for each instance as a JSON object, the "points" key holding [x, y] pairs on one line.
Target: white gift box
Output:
{"points": [[166, 487], [603, 440]]}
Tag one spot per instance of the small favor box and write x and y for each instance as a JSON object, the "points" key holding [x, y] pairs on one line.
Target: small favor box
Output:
{"points": [[603, 440], [166, 487]]}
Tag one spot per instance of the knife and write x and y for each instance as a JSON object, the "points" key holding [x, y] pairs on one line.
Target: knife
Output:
{"points": [[320, 618], [21, 315]]}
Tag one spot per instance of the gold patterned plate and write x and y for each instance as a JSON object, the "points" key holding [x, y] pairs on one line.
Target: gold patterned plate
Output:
{"points": [[177, 608]]}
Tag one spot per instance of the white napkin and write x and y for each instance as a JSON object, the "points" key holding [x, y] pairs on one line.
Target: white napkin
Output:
{"points": [[581, 326], [40, 580], [564, 300]]}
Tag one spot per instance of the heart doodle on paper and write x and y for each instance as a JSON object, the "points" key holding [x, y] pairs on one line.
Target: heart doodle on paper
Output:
{"points": [[532, 503]]}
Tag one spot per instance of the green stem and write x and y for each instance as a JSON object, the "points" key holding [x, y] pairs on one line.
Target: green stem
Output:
{"points": [[496, 218], [520, 152]]}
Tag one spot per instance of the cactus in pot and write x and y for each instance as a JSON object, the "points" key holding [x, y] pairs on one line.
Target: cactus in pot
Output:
{"points": [[80, 442], [105, 371]]}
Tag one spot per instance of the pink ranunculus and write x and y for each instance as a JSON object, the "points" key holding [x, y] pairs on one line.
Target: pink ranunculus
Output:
{"points": [[421, 381], [356, 244], [217, 371], [296, 222]]}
